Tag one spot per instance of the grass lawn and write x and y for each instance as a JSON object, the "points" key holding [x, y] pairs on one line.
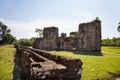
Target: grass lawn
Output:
{"points": [[111, 49], [6, 54], [95, 65]]}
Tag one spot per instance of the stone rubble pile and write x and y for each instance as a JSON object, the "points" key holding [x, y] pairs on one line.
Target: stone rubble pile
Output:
{"points": [[41, 65]]}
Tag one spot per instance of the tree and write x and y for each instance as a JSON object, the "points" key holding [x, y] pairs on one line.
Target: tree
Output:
{"points": [[96, 19], [5, 36], [7, 39], [39, 31], [118, 29], [3, 29], [25, 41], [111, 42]]}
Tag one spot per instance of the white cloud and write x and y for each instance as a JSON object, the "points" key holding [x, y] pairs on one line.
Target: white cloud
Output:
{"points": [[20, 29], [27, 30]]}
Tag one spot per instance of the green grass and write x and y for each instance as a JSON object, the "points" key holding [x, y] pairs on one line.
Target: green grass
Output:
{"points": [[6, 55], [95, 66], [111, 49]]}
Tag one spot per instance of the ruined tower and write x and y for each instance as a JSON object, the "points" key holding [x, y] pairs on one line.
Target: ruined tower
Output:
{"points": [[89, 36], [50, 36]]}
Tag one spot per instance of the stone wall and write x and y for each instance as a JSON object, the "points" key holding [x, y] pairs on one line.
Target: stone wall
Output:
{"points": [[87, 38], [49, 40], [40, 65], [50, 36]]}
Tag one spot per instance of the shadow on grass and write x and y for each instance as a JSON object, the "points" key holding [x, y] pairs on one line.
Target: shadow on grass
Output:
{"points": [[83, 53], [113, 76], [17, 70], [88, 53]]}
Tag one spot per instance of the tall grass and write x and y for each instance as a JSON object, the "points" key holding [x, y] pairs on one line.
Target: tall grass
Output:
{"points": [[6, 53]]}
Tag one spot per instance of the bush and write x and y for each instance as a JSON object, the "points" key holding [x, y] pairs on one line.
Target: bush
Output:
{"points": [[7, 39], [111, 42], [25, 41]]}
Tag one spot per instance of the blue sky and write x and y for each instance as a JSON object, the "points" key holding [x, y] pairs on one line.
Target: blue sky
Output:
{"points": [[23, 16]]}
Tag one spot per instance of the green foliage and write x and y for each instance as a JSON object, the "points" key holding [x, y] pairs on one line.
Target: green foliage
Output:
{"points": [[6, 67], [95, 66], [5, 36], [111, 42], [25, 41], [7, 39], [118, 29], [39, 31], [3, 29], [97, 19]]}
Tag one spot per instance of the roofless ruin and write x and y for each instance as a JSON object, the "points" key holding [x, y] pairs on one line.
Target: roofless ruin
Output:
{"points": [[35, 64], [87, 38]]}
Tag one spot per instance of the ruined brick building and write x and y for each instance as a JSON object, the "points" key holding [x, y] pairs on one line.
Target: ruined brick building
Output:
{"points": [[87, 38]]}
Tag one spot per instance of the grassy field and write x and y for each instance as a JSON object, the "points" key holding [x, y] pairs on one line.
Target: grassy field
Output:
{"points": [[6, 54], [111, 49], [95, 65]]}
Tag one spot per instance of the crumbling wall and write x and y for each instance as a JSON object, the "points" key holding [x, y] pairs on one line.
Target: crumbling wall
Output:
{"points": [[50, 37], [38, 43], [74, 40], [40, 65], [89, 36]]}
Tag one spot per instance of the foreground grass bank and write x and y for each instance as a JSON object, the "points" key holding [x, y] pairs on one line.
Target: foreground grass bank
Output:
{"points": [[95, 65], [6, 55]]}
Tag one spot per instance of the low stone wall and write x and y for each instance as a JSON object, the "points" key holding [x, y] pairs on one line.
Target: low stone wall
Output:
{"points": [[40, 65]]}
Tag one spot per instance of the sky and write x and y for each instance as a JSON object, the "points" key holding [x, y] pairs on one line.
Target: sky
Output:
{"points": [[24, 16]]}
